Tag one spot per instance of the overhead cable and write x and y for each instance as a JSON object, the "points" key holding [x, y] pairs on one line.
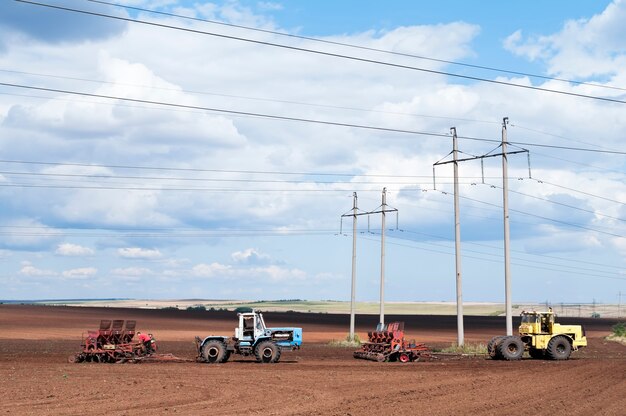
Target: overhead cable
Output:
{"points": [[319, 52], [264, 99], [361, 47], [295, 119]]}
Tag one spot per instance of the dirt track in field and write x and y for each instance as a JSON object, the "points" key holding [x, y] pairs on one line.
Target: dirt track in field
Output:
{"points": [[317, 380]]}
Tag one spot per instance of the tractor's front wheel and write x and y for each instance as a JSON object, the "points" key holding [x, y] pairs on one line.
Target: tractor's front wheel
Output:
{"points": [[559, 348], [267, 352], [511, 348], [214, 352]]}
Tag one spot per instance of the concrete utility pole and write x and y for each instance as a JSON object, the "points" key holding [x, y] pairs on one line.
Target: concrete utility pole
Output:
{"points": [[507, 257], [456, 160], [382, 258], [353, 213], [352, 297], [457, 242]]}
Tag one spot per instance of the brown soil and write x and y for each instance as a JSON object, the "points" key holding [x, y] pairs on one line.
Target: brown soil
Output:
{"points": [[36, 379]]}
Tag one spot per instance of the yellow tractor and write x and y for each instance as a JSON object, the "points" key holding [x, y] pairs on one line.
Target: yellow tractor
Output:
{"points": [[541, 337]]}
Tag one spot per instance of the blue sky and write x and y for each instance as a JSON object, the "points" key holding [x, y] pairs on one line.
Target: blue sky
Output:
{"points": [[113, 198]]}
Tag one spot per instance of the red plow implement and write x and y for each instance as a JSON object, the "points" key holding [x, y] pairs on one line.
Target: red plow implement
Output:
{"points": [[387, 343], [113, 342]]}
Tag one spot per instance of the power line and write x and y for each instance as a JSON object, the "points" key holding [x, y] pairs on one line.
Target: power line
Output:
{"points": [[334, 107], [239, 181], [547, 218], [535, 153], [609, 151], [350, 45], [198, 234], [97, 176], [521, 259], [330, 54], [179, 169], [498, 207], [559, 203], [569, 260], [560, 136], [491, 208], [497, 261], [246, 113], [239, 190], [146, 188], [195, 189], [614, 152], [295, 119], [541, 181]]}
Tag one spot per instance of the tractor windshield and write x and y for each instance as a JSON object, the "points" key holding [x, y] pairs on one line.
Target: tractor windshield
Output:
{"points": [[260, 324], [529, 319]]}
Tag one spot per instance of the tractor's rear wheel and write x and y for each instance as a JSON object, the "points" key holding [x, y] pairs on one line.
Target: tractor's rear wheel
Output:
{"points": [[492, 347], [267, 352], [559, 348], [214, 352], [511, 348]]}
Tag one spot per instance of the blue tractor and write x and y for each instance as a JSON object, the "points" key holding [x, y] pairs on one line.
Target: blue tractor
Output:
{"points": [[251, 337]]}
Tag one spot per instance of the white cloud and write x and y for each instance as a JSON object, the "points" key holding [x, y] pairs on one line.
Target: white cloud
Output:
{"points": [[28, 234], [583, 48], [250, 256], [558, 241], [271, 273], [68, 249], [532, 50], [212, 270], [132, 271], [139, 253], [280, 274], [82, 273], [32, 271], [270, 5]]}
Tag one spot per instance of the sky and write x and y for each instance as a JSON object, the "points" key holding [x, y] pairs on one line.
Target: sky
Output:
{"points": [[137, 160]]}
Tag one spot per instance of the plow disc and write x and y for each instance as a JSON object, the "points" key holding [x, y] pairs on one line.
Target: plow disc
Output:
{"points": [[126, 358], [372, 356], [403, 356]]}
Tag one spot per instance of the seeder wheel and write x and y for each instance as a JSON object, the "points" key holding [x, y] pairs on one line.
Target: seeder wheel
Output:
{"points": [[404, 357]]}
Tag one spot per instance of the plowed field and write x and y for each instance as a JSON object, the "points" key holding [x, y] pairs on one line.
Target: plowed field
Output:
{"points": [[36, 379]]}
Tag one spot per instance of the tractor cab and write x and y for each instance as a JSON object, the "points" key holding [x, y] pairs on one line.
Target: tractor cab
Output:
{"points": [[251, 326], [537, 322]]}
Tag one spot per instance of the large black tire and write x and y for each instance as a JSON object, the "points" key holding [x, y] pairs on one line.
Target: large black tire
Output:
{"points": [[492, 347], [536, 353], [214, 352], [511, 348], [559, 348], [267, 352]]}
